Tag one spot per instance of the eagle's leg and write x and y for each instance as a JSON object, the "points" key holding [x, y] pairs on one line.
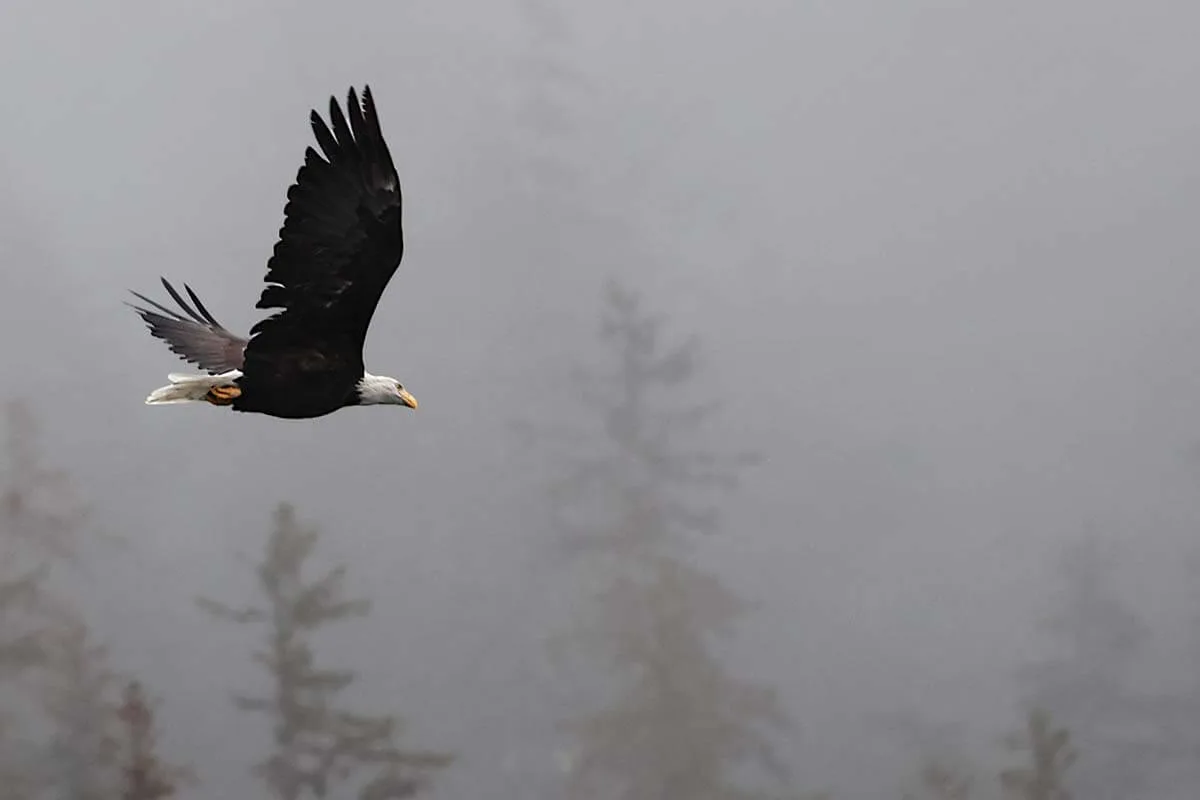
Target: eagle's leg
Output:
{"points": [[223, 395]]}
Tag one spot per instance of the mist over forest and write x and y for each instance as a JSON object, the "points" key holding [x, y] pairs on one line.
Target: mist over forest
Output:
{"points": [[809, 406]]}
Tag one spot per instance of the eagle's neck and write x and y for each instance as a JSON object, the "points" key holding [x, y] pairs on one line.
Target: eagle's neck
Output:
{"points": [[376, 389]]}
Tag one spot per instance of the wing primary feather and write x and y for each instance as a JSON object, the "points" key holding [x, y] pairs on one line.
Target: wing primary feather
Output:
{"points": [[356, 117], [371, 120], [324, 138], [341, 131], [376, 129], [173, 314], [379, 154], [175, 296], [200, 306]]}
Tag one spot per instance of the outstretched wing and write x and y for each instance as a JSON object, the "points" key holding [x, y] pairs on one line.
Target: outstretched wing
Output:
{"points": [[200, 339], [341, 239]]}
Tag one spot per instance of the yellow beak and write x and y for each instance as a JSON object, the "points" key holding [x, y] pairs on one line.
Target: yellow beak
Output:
{"points": [[408, 399]]}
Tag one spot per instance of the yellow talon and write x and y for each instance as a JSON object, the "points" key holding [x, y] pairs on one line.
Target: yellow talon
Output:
{"points": [[223, 395]]}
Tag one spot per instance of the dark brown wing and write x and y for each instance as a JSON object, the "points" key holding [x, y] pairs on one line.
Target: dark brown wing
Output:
{"points": [[340, 243], [200, 339]]}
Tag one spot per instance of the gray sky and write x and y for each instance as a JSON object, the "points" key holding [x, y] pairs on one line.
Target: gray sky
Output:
{"points": [[942, 259]]}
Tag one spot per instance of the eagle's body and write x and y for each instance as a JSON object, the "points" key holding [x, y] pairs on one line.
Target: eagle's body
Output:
{"points": [[340, 244]]}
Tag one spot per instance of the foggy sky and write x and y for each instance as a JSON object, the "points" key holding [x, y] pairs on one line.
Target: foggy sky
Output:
{"points": [[942, 262]]}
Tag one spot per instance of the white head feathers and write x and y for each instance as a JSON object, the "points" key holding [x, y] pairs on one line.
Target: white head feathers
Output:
{"points": [[382, 390]]}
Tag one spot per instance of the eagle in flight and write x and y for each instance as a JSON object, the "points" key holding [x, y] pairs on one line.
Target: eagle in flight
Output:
{"points": [[340, 243]]}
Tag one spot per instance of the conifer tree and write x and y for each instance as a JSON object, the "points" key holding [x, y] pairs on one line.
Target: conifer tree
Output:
{"points": [[76, 686], [144, 776], [48, 655], [316, 744], [1088, 686], [680, 723], [942, 782], [547, 113], [41, 518], [1049, 751], [947, 771]]}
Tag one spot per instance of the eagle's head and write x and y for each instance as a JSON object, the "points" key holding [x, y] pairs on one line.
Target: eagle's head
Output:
{"points": [[376, 390]]}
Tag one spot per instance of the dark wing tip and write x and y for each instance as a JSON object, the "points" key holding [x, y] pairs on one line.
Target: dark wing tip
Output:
{"points": [[368, 103], [354, 135], [374, 143], [200, 307]]}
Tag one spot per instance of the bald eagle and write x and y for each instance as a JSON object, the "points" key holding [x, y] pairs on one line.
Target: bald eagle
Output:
{"points": [[340, 243]]}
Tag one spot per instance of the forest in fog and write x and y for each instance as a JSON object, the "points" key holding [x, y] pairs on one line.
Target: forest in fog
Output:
{"points": [[636, 489], [809, 407]]}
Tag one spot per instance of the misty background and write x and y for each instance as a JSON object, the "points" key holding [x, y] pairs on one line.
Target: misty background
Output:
{"points": [[940, 264]]}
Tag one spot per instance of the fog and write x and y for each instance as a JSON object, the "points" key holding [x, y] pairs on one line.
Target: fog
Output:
{"points": [[940, 264]]}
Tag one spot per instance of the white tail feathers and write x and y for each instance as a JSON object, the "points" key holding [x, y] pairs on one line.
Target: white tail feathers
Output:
{"points": [[190, 388]]}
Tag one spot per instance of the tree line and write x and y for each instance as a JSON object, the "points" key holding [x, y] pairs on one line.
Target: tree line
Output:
{"points": [[634, 493]]}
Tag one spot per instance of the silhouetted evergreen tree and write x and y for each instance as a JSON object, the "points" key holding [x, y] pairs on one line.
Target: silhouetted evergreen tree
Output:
{"points": [[316, 744], [144, 776], [1050, 754], [41, 519], [76, 686], [550, 81], [945, 783], [940, 781], [1179, 709], [680, 723], [946, 770], [559, 219], [1088, 685]]}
